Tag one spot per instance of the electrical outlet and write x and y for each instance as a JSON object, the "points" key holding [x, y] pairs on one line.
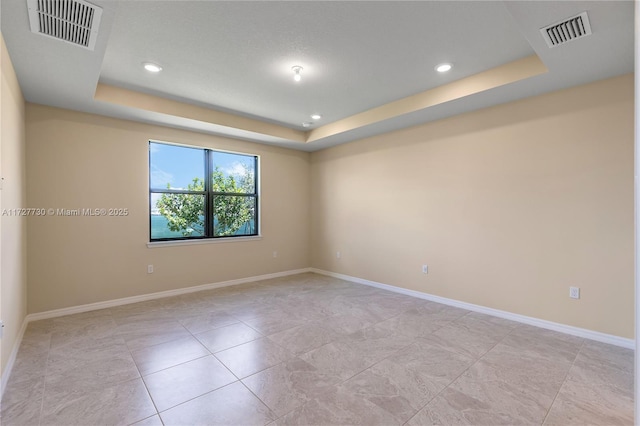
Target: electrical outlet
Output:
{"points": [[425, 269], [275, 254], [338, 255], [149, 269], [574, 292]]}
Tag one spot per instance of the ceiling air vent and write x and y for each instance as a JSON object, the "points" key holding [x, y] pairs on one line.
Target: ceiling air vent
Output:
{"points": [[567, 30], [73, 21]]}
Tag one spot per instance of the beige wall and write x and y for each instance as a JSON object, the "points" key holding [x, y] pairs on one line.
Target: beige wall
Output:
{"points": [[509, 206], [85, 161], [13, 231]]}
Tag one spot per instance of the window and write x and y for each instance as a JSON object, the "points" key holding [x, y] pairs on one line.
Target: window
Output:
{"points": [[199, 193]]}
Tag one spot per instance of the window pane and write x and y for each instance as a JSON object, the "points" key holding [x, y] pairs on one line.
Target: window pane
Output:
{"points": [[233, 173], [175, 167], [234, 215], [177, 215]]}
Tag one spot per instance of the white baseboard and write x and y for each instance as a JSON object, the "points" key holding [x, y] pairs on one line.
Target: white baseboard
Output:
{"points": [[12, 358], [159, 295], [567, 329], [4, 379], [562, 328]]}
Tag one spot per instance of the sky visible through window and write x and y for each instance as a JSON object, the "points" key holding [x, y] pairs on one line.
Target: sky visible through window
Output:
{"points": [[178, 165]]}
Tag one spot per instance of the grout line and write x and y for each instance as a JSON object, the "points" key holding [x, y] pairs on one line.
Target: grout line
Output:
{"points": [[139, 372], [466, 369], [276, 417], [174, 316], [564, 380], [182, 363], [195, 397]]}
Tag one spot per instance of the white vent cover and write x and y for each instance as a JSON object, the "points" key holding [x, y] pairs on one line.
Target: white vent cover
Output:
{"points": [[73, 21], [567, 30]]}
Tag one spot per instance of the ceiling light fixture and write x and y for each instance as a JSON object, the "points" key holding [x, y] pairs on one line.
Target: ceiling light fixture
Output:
{"points": [[443, 67], [151, 67], [316, 116], [296, 72], [306, 124]]}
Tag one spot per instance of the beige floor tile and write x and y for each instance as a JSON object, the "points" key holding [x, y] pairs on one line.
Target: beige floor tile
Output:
{"points": [[93, 375], [289, 385], [532, 372], [142, 333], [22, 402], [90, 364], [338, 407], [150, 310], [250, 309], [504, 387], [601, 364], [249, 358], [421, 322], [40, 327], [275, 322], [301, 339], [547, 343], [366, 356], [158, 357], [122, 403], [149, 421], [96, 324], [473, 334], [29, 365], [393, 389], [232, 405], [361, 306], [206, 322], [35, 340], [186, 381], [480, 404], [227, 337], [307, 309], [338, 359], [346, 323], [377, 342], [598, 389], [403, 383], [581, 403], [86, 350]]}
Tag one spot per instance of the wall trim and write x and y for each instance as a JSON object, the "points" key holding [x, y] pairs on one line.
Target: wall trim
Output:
{"points": [[549, 325], [12, 358], [159, 295], [562, 328], [4, 378]]}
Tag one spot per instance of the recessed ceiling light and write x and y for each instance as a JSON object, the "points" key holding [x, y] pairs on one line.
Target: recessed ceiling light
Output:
{"points": [[444, 67], [151, 67], [297, 69], [306, 124], [316, 116]]}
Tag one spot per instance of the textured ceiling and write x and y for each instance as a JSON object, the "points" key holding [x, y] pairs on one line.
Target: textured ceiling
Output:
{"points": [[355, 55], [368, 66]]}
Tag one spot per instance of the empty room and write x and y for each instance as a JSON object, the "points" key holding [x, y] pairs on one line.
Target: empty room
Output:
{"points": [[317, 213]]}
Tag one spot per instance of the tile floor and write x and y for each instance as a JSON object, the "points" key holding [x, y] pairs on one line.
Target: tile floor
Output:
{"points": [[310, 350]]}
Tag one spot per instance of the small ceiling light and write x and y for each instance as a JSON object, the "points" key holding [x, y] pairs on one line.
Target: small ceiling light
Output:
{"points": [[306, 124], [296, 72], [316, 116], [444, 67], [151, 67]]}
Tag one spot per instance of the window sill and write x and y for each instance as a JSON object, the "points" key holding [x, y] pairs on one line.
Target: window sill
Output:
{"points": [[160, 244]]}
